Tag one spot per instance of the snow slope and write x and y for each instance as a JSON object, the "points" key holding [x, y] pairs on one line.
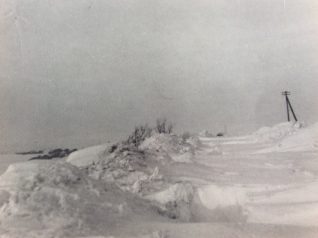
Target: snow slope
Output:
{"points": [[87, 156], [277, 132], [58, 199], [303, 139], [226, 188]]}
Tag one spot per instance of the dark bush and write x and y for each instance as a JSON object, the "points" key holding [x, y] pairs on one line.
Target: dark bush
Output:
{"points": [[163, 127], [139, 134], [56, 153]]}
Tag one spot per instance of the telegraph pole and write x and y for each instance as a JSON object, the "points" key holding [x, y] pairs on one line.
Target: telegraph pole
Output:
{"points": [[289, 106]]}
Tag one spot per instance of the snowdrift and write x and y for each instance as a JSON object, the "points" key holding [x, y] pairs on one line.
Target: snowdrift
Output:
{"points": [[136, 169], [299, 139], [59, 199], [305, 139], [271, 204], [175, 202], [277, 132], [99, 187], [123, 165], [171, 147], [87, 156]]}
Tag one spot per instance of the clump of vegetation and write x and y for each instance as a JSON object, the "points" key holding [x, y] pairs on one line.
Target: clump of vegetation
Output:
{"points": [[163, 127], [56, 153], [113, 148], [139, 134]]}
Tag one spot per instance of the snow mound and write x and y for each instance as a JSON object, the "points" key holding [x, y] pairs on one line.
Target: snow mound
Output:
{"points": [[222, 203], [170, 147], [87, 156], [60, 199], [128, 168], [277, 132], [135, 169], [302, 139], [191, 140], [305, 139], [175, 202]]}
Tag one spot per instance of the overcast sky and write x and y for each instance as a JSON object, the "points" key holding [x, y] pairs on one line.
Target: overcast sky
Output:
{"points": [[75, 72]]}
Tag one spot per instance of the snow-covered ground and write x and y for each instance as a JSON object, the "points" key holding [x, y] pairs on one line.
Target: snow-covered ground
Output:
{"points": [[261, 185]]}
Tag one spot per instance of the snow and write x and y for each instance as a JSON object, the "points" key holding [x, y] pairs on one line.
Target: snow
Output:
{"points": [[58, 198], [277, 132], [303, 139], [170, 186], [87, 156], [213, 196], [171, 147], [175, 201], [128, 168]]}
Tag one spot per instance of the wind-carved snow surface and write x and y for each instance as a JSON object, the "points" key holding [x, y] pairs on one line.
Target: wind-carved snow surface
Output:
{"points": [[175, 202], [169, 182], [56, 198], [277, 132], [305, 139], [213, 196]]}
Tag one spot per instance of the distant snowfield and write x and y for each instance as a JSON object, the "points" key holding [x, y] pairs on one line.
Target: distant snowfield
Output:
{"points": [[260, 185]]}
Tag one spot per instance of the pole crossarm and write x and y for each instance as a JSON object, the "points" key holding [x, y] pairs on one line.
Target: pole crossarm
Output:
{"points": [[285, 93]]}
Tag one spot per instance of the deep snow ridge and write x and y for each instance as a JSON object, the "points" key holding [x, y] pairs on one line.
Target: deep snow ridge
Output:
{"points": [[61, 199]]}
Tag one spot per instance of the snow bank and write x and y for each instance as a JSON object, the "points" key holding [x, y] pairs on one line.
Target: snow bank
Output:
{"points": [[128, 168], [135, 169], [60, 199], [175, 201], [170, 147], [294, 204], [303, 139], [87, 156], [277, 132], [217, 203]]}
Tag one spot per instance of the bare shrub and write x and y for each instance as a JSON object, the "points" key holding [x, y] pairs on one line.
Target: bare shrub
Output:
{"points": [[139, 134], [163, 127]]}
